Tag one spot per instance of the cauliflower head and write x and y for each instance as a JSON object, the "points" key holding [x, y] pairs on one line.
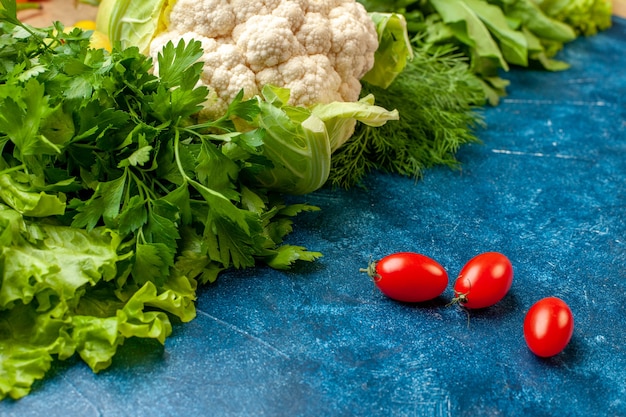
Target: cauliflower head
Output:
{"points": [[318, 49]]}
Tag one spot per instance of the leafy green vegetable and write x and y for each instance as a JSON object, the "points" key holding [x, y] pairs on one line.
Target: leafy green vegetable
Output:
{"points": [[463, 18], [115, 203], [46, 269], [545, 36], [21, 199], [498, 33], [587, 17], [492, 34]]}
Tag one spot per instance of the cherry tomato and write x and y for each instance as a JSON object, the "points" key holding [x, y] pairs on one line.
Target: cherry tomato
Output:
{"points": [[483, 281], [548, 326], [408, 277]]}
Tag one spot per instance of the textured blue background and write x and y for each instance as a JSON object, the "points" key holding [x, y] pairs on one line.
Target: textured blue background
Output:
{"points": [[547, 187]]}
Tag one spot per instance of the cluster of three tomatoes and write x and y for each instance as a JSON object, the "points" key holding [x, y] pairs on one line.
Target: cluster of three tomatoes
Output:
{"points": [[482, 282]]}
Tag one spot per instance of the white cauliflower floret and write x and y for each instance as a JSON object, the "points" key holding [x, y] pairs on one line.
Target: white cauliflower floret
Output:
{"points": [[315, 34], [268, 48], [211, 18], [245, 9], [319, 49], [311, 79], [323, 6], [226, 76], [350, 50], [293, 11]]}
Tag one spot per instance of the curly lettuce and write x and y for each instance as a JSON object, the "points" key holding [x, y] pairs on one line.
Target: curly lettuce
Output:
{"points": [[587, 17], [53, 302]]}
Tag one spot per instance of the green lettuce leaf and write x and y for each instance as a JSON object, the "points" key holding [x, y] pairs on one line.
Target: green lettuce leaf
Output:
{"points": [[467, 26], [512, 43], [53, 303], [29, 203], [586, 17], [46, 261], [535, 20], [29, 339]]}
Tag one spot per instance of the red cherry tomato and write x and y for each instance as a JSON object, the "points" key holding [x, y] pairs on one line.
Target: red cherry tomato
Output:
{"points": [[548, 326], [484, 280], [408, 277]]}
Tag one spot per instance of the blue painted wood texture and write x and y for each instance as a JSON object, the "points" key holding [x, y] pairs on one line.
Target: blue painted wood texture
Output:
{"points": [[547, 187]]}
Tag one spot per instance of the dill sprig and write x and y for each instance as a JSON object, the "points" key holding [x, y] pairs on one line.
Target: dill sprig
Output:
{"points": [[438, 98]]}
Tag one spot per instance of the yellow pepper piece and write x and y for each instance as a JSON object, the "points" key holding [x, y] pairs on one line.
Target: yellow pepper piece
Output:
{"points": [[86, 24], [100, 40]]}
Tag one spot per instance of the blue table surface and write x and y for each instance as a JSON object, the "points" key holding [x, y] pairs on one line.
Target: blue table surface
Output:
{"points": [[547, 187]]}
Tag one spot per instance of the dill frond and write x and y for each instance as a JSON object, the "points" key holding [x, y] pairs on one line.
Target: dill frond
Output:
{"points": [[438, 98]]}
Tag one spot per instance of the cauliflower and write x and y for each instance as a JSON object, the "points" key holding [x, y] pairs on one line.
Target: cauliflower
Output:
{"points": [[318, 49]]}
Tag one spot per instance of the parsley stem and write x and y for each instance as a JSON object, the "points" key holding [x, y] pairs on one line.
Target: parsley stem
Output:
{"points": [[177, 155], [142, 188], [13, 169]]}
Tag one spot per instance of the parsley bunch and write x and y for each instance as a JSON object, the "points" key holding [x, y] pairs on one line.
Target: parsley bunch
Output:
{"points": [[115, 203]]}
